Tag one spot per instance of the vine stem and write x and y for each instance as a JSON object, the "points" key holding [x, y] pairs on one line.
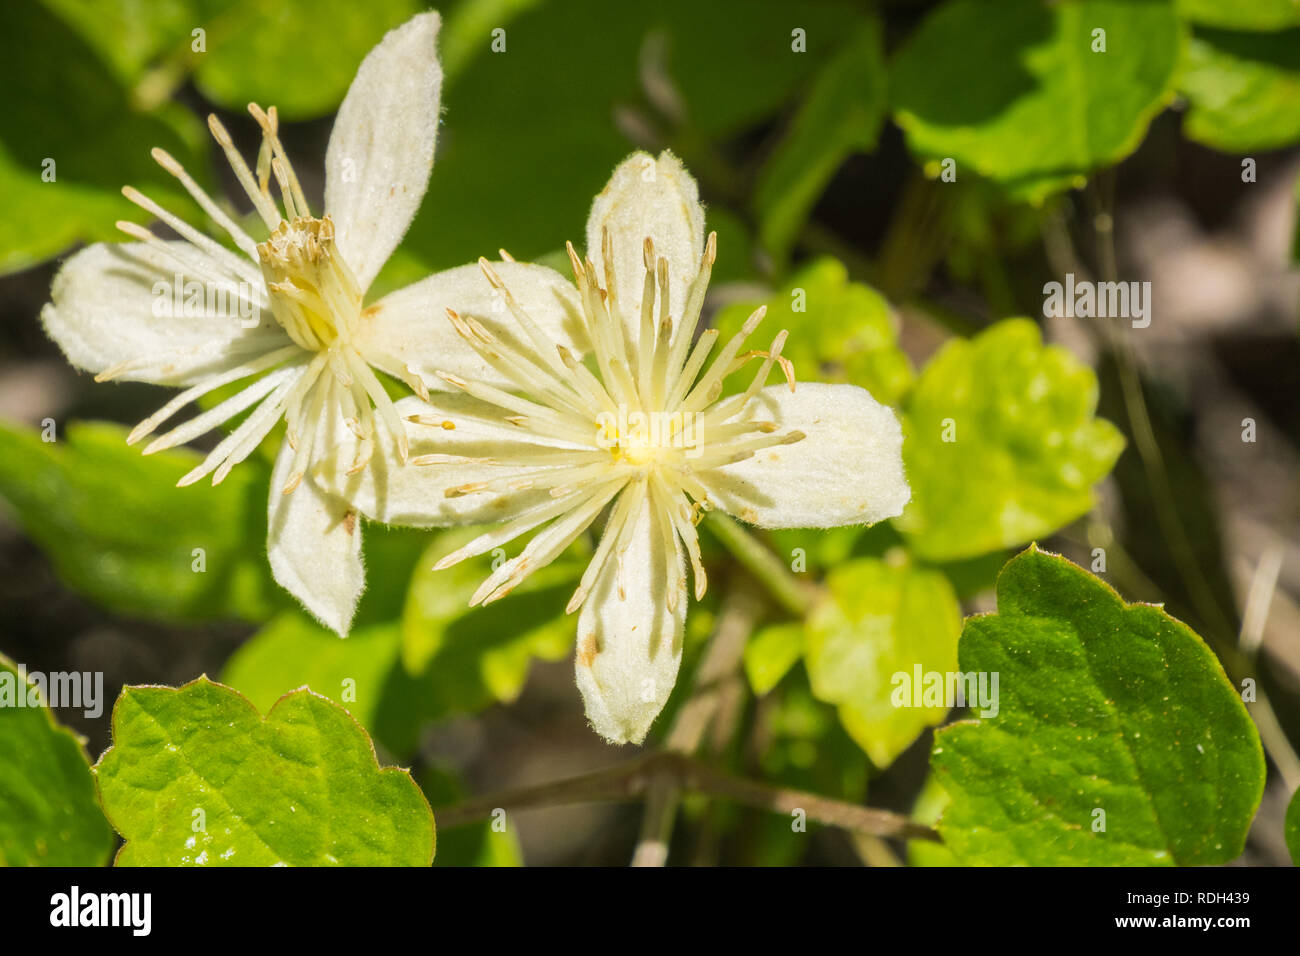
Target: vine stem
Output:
{"points": [[633, 779], [783, 587]]}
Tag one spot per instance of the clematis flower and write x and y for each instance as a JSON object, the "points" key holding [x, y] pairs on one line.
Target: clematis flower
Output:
{"points": [[645, 435], [286, 317]]}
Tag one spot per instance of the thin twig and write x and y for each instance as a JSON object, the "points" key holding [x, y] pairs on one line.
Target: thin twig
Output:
{"points": [[631, 781]]}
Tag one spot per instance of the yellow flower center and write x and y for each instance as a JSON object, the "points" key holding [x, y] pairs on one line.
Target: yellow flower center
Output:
{"points": [[313, 292]]}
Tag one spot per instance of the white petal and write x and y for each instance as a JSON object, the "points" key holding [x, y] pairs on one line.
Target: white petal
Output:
{"points": [[414, 495], [380, 153], [313, 540], [112, 302], [409, 328], [848, 470], [630, 646], [656, 198]]}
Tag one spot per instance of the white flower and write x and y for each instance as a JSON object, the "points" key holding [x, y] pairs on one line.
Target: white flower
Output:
{"points": [[646, 434], [124, 311]]}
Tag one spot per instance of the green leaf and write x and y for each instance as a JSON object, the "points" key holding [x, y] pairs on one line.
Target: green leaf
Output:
{"points": [[566, 94], [771, 653], [66, 153], [128, 35], [879, 621], [840, 331], [1021, 97], [405, 666], [1014, 420], [470, 658], [119, 532], [842, 114], [48, 812], [1103, 706], [298, 55], [1255, 15], [1241, 89], [359, 673], [197, 777], [1291, 828]]}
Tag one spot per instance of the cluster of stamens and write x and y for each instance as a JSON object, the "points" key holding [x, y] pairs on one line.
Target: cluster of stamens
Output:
{"points": [[300, 276], [589, 461]]}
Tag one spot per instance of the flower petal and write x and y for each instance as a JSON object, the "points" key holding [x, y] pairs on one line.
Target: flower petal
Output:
{"points": [[629, 641], [847, 470], [313, 540], [414, 494], [380, 153], [112, 303], [409, 327], [656, 198]]}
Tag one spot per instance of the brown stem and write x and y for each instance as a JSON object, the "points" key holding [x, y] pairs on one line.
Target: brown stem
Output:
{"points": [[632, 780]]}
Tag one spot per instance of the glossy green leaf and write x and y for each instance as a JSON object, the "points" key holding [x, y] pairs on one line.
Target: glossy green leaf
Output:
{"points": [[1011, 420], [1291, 828], [119, 531], [878, 627], [842, 114], [197, 777], [1250, 15], [770, 654], [840, 331], [1118, 738], [48, 812], [1241, 89], [1014, 91]]}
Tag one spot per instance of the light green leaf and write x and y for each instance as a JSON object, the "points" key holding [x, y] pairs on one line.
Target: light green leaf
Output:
{"points": [[1253, 15], [1014, 420], [1104, 708], [119, 531], [359, 673], [197, 777], [841, 114], [879, 621], [840, 331], [474, 657], [771, 653], [298, 55], [48, 812], [928, 809], [1021, 97], [1241, 89]]}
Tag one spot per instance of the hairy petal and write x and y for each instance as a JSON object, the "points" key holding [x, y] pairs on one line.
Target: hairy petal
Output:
{"points": [[381, 151], [847, 470], [630, 645], [655, 198], [414, 494], [102, 314], [313, 539], [410, 329]]}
